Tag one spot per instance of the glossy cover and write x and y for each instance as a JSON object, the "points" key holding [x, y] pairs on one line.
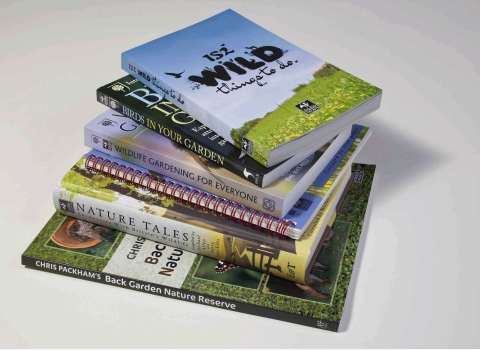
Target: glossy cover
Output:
{"points": [[129, 97], [70, 247], [122, 138], [106, 201], [257, 90]]}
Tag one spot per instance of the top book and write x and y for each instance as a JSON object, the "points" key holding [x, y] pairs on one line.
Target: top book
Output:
{"points": [[265, 95]]}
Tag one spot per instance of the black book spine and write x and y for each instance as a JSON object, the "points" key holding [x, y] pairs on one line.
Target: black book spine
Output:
{"points": [[196, 137], [175, 293]]}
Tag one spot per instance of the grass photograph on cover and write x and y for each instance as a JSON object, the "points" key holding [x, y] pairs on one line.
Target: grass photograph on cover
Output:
{"points": [[333, 90], [325, 301], [228, 273]]}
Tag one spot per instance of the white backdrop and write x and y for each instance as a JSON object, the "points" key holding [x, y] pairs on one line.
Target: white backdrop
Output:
{"points": [[416, 280]]}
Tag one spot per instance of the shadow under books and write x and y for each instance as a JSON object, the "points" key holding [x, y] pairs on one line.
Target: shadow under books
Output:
{"points": [[400, 160]]}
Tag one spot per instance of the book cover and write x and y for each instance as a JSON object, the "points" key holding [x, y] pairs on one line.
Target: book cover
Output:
{"points": [[258, 90], [75, 248], [129, 97], [122, 138]]}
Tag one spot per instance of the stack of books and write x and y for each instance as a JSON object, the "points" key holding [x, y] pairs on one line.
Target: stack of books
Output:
{"points": [[222, 174]]}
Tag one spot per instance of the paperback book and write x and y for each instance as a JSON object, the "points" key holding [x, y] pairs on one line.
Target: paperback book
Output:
{"points": [[131, 98], [76, 248], [122, 138], [265, 95]]}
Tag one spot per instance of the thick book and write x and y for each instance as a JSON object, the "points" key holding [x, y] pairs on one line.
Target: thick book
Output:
{"points": [[122, 138], [219, 239], [75, 248], [129, 97], [269, 97]]}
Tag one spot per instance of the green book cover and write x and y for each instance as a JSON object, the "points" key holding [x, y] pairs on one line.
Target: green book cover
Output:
{"points": [[80, 249]]}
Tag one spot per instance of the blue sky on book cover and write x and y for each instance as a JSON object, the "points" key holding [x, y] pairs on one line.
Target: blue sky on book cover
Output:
{"points": [[252, 87], [236, 33]]}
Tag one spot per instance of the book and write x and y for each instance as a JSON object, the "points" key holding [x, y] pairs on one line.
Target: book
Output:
{"points": [[115, 258], [98, 198], [122, 138], [292, 225], [129, 97], [267, 96]]}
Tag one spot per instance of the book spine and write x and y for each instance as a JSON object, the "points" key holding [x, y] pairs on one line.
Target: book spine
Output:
{"points": [[120, 215], [178, 135], [252, 197], [176, 293]]}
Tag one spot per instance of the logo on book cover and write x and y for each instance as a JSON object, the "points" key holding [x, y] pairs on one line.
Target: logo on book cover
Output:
{"points": [[119, 87], [66, 206], [358, 176], [247, 174], [108, 122], [107, 144], [95, 139], [303, 204], [114, 104], [103, 99], [321, 324], [308, 107], [247, 145], [268, 204]]}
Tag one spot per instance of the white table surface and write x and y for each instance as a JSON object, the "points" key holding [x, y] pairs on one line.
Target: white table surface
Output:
{"points": [[416, 281]]}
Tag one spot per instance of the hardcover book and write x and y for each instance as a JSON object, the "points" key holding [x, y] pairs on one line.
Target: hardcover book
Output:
{"points": [[79, 249], [103, 199], [129, 97], [122, 138], [269, 97]]}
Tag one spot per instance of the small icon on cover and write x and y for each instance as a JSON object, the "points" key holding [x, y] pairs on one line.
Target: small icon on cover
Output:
{"points": [[268, 204], [114, 104], [303, 204], [107, 144], [108, 122], [103, 99], [119, 87], [66, 206], [247, 145], [247, 174], [322, 325], [95, 139], [307, 107]]}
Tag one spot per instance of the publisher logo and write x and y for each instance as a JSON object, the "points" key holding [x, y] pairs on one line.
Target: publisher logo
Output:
{"points": [[247, 145], [321, 324], [108, 122], [95, 139], [103, 99], [358, 176], [114, 104], [66, 206], [119, 87], [308, 107], [107, 144], [268, 204]]}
